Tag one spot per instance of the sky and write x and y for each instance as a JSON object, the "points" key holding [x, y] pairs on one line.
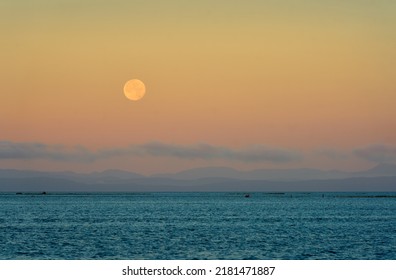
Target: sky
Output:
{"points": [[243, 84]]}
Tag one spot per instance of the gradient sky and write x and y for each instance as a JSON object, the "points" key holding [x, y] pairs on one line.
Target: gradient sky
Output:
{"points": [[245, 84]]}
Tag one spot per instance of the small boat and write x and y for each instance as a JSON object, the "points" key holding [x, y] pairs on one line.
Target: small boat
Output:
{"points": [[247, 195]]}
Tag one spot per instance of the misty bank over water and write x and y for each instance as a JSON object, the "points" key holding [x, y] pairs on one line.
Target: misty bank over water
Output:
{"points": [[381, 178]]}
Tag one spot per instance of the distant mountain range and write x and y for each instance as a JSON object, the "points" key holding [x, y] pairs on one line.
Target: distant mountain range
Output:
{"points": [[380, 178]]}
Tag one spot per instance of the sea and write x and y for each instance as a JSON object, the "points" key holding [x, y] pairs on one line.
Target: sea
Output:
{"points": [[204, 226]]}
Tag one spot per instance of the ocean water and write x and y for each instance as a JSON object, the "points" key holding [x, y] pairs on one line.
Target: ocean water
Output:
{"points": [[198, 226]]}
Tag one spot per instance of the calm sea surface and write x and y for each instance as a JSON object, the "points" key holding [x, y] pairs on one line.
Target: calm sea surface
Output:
{"points": [[198, 226]]}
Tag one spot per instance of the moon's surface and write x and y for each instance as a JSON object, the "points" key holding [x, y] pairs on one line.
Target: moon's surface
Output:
{"points": [[134, 89]]}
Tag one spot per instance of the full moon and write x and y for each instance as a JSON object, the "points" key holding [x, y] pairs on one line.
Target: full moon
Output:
{"points": [[134, 89]]}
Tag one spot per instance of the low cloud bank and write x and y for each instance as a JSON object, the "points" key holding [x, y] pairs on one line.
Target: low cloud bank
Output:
{"points": [[377, 153], [257, 153]]}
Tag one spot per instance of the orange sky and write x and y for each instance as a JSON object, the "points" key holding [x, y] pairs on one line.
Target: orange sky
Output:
{"points": [[300, 77]]}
